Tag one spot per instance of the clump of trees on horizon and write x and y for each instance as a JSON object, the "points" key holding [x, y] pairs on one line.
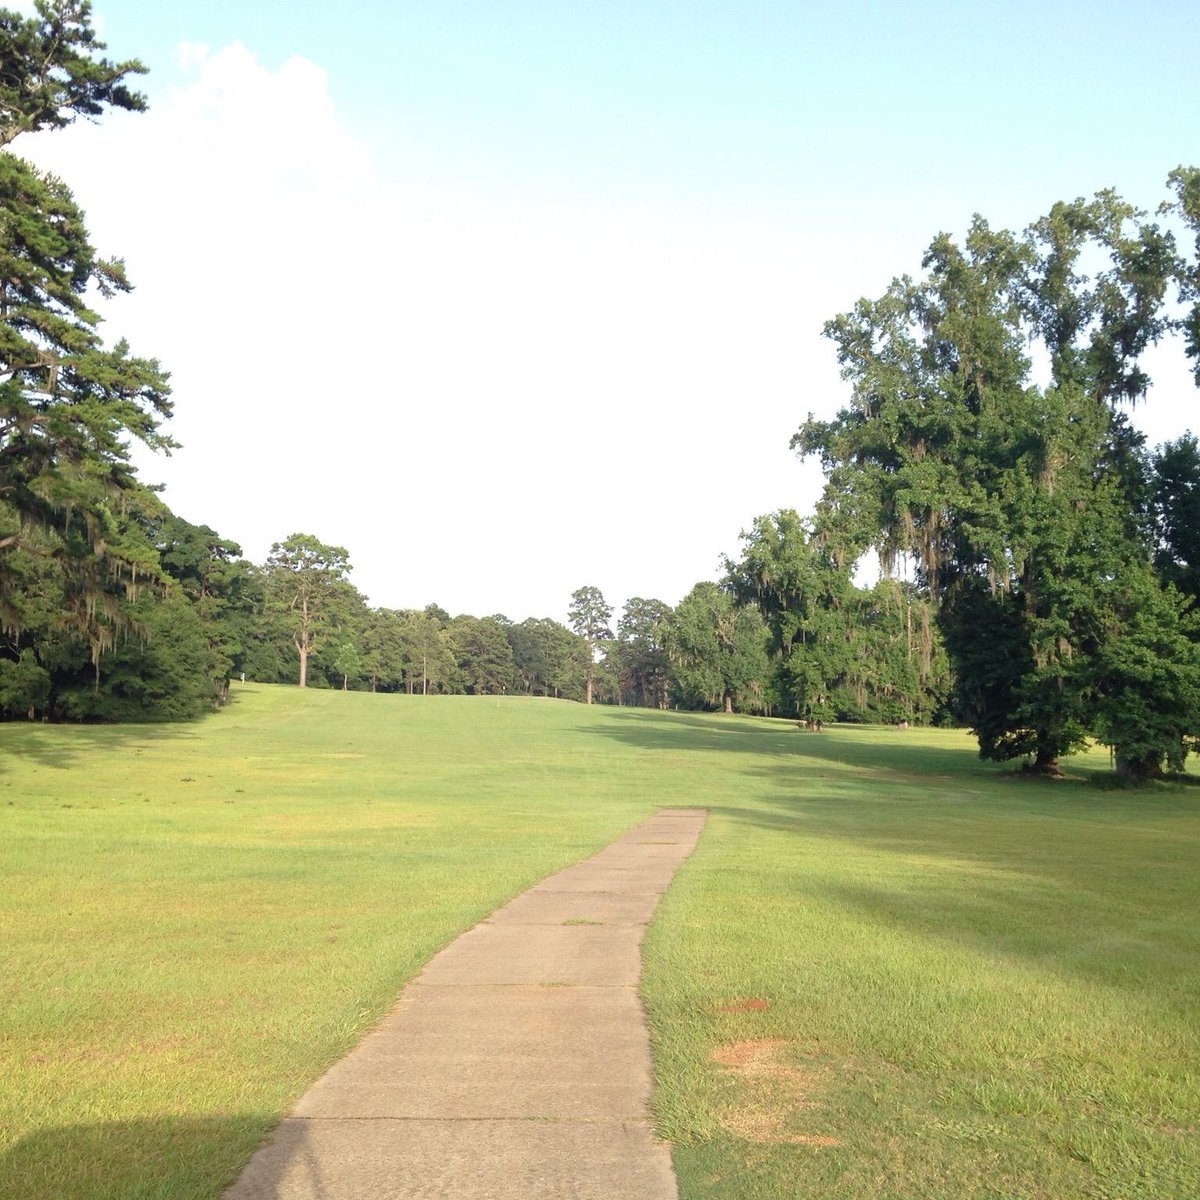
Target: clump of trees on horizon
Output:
{"points": [[1053, 559]]}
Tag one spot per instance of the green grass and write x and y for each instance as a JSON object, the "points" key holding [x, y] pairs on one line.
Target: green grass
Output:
{"points": [[974, 985], [888, 970]]}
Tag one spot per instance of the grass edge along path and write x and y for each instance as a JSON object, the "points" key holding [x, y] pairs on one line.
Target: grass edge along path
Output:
{"points": [[516, 1066]]}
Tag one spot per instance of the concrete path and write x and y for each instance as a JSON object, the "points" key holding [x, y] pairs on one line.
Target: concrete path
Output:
{"points": [[517, 1064]]}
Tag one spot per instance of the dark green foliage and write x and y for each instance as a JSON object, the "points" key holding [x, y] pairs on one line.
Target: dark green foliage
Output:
{"points": [[347, 662], [51, 72], [589, 615], [836, 651], [482, 655], [548, 659], [639, 656], [1185, 183], [1023, 508], [1175, 485], [225, 590], [382, 637], [165, 673], [24, 684], [394, 650], [80, 578], [268, 658], [438, 615], [986, 638], [68, 406], [161, 651], [307, 592], [428, 655], [1144, 673], [717, 651], [896, 668]]}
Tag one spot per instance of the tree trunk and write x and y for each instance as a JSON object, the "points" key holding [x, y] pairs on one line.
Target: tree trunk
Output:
{"points": [[589, 688], [1046, 762], [301, 641], [729, 702], [1148, 766]]}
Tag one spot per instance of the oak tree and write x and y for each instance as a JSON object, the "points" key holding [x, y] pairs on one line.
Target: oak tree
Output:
{"points": [[1016, 500]]}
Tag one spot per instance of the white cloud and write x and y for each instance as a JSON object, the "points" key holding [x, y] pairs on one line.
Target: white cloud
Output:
{"points": [[489, 404], [191, 55]]}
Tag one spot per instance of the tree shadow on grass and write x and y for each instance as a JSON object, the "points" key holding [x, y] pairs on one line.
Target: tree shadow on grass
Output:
{"points": [[1055, 879], [1049, 898], [880, 757], [163, 1158], [937, 845], [63, 746], [206, 1158], [858, 746]]}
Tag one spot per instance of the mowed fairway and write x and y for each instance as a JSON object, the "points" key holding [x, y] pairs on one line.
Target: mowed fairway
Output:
{"points": [[887, 971]]}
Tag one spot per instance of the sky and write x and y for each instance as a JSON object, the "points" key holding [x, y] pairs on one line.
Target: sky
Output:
{"points": [[508, 298]]}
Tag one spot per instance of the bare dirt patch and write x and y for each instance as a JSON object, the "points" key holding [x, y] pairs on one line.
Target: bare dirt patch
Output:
{"points": [[754, 1056], [768, 1094]]}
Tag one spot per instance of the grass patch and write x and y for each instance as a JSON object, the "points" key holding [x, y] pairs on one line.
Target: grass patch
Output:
{"points": [[976, 985], [198, 919], [889, 970]]}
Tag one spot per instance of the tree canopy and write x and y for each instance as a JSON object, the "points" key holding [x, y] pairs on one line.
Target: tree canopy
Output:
{"points": [[590, 615], [308, 591], [51, 71], [69, 405], [1020, 503]]}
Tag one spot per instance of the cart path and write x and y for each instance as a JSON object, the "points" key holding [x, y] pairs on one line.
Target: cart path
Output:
{"points": [[515, 1065]]}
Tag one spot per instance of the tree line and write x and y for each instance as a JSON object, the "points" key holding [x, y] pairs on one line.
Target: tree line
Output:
{"points": [[785, 632], [1041, 563]]}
